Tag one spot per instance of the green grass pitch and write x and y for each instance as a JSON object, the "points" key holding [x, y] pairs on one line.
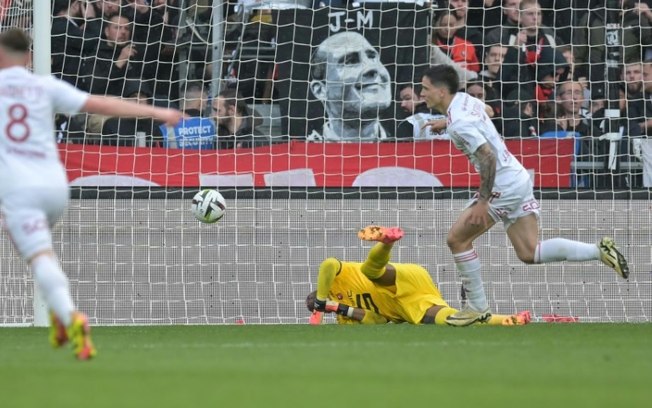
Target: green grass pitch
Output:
{"points": [[540, 365]]}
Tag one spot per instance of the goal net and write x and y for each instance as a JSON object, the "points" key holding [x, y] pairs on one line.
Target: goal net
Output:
{"points": [[339, 143]]}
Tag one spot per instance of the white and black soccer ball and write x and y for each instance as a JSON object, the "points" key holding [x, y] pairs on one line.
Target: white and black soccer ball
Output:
{"points": [[208, 206]]}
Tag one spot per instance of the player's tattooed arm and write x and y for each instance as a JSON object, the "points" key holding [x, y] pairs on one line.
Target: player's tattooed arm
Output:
{"points": [[487, 163]]}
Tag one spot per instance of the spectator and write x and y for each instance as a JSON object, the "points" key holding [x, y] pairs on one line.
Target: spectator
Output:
{"points": [[471, 34], [567, 52], [590, 40], [552, 69], [418, 125], [438, 57], [156, 37], [643, 9], [104, 10], [520, 119], [67, 41], [170, 11], [252, 66], [629, 130], [483, 15], [562, 15], [445, 37], [131, 131], [510, 27], [539, 81], [479, 90], [117, 58], [632, 75], [235, 123], [493, 60], [411, 103], [194, 101], [568, 118], [629, 126], [487, 94], [571, 114], [197, 130], [533, 35], [526, 48], [643, 116]]}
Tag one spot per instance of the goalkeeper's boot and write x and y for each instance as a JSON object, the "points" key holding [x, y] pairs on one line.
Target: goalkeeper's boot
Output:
{"points": [[467, 317], [610, 256], [58, 334], [524, 317], [386, 235], [79, 333], [518, 319]]}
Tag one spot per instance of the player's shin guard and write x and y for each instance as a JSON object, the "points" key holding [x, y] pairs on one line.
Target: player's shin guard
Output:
{"points": [[54, 285], [378, 257]]}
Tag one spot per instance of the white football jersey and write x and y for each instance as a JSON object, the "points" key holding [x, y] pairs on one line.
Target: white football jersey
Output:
{"points": [[28, 152], [469, 127]]}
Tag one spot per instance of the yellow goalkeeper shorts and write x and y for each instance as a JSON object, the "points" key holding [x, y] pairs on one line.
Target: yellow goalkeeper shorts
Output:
{"points": [[415, 293]]}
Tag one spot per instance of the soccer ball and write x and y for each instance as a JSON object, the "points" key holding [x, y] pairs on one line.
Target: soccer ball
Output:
{"points": [[208, 206]]}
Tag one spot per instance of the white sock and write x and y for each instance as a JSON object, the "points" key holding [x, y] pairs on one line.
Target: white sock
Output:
{"points": [[468, 266], [54, 285], [560, 249]]}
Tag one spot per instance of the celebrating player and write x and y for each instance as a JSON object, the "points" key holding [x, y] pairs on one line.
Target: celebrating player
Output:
{"points": [[376, 291], [33, 186], [506, 194]]}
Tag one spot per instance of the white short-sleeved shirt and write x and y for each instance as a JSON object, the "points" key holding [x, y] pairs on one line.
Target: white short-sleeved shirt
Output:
{"points": [[469, 127], [422, 132], [28, 152]]}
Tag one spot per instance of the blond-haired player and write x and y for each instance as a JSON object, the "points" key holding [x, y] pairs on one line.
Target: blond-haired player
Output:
{"points": [[33, 184], [376, 291]]}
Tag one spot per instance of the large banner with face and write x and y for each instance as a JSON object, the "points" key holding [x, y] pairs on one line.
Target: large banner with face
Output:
{"points": [[339, 70]]}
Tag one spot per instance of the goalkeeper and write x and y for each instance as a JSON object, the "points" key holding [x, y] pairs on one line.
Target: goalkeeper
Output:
{"points": [[376, 291]]}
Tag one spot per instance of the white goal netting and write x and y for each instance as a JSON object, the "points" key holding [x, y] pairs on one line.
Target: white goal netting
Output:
{"points": [[328, 138]]}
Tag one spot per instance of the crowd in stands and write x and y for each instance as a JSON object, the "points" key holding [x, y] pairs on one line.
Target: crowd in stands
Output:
{"points": [[540, 65], [544, 69]]}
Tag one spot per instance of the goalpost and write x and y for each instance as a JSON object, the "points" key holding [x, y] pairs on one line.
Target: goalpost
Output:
{"points": [[135, 255]]}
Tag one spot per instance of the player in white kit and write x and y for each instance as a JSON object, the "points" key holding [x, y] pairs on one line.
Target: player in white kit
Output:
{"points": [[33, 184], [505, 194]]}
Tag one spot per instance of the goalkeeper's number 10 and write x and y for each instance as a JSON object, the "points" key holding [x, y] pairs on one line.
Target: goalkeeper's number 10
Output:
{"points": [[368, 302]]}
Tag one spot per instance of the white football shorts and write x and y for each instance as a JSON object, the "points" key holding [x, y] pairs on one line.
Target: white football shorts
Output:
{"points": [[29, 214], [511, 204]]}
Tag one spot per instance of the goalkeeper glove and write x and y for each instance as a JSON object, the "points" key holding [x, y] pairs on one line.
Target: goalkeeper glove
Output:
{"points": [[316, 318], [319, 305], [330, 306]]}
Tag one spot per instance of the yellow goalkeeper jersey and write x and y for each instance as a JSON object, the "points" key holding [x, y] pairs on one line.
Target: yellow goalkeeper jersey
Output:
{"points": [[407, 301]]}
